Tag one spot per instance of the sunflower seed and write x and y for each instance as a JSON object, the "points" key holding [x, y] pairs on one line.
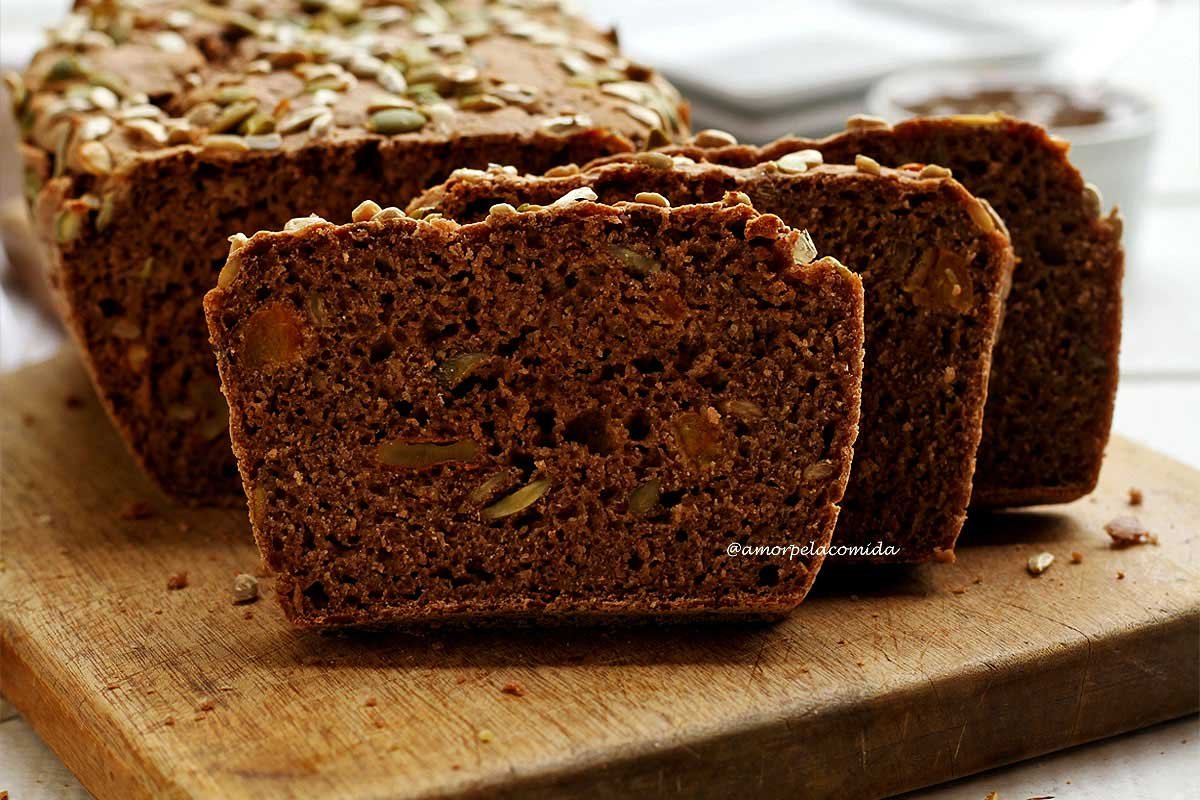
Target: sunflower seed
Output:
{"points": [[300, 223], [321, 125], [68, 224], [652, 198], [148, 129], [93, 128], [224, 143], [480, 102], [1039, 563], [566, 123], [865, 122], [365, 210], [1093, 200], [95, 158], [805, 251], [792, 163], [233, 116], [299, 120], [583, 193], [656, 160], [237, 242], [170, 42], [867, 164], [714, 138], [266, 141]]}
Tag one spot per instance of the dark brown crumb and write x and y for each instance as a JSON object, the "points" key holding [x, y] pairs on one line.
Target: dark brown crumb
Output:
{"points": [[959, 590], [73, 401], [28, 420], [513, 688], [1120, 575], [199, 717], [111, 686], [169, 721], [1128, 531], [1135, 497], [1076, 557], [177, 581], [248, 615], [378, 723], [137, 509], [370, 702], [207, 705]]}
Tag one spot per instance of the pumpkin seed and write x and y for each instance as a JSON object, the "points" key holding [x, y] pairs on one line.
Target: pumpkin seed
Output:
{"points": [[518, 501]]}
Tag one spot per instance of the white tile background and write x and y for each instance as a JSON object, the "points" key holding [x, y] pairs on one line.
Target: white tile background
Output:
{"points": [[1159, 397]]}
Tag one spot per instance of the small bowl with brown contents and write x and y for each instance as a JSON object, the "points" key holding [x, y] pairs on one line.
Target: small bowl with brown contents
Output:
{"points": [[1111, 131]]}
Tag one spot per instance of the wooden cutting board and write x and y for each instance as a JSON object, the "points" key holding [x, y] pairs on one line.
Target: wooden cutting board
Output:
{"points": [[885, 680]]}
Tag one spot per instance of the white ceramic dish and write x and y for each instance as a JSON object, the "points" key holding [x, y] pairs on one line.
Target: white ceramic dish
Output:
{"points": [[1113, 154]]}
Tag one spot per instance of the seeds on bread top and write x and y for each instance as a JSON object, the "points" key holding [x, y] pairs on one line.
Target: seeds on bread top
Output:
{"points": [[126, 78]]}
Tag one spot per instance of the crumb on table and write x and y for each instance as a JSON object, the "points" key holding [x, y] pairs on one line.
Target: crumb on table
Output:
{"points": [[245, 589], [513, 688], [1135, 496], [1127, 531], [179, 580]]}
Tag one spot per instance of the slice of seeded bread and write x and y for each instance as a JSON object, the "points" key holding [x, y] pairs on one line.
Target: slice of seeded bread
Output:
{"points": [[585, 412], [935, 265], [1054, 370]]}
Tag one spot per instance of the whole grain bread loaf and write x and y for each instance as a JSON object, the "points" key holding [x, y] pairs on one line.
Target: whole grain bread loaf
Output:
{"points": [[1054, 371], [935, 264], [153, 130], [584, 411]]}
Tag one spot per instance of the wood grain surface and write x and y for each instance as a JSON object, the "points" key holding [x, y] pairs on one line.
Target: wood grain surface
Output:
{"points": [[885, 680]]}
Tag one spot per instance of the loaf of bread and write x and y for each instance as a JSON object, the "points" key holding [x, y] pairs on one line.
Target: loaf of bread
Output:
{"points": [[579, 411], [1054, 371], [935, 265], [153, 130]]}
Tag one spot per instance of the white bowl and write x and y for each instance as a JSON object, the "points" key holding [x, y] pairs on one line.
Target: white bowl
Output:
{"points": [[1113, 154]]}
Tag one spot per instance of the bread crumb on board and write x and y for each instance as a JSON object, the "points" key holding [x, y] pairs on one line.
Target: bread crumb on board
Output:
{"points": [[1039, 563], [1127, 531], [1076, 557], [177, 581], [245, 589], [1135, 496], [513, 688]]}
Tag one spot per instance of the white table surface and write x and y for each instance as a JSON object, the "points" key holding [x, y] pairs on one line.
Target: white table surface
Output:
{"points": [[1158, 403]]}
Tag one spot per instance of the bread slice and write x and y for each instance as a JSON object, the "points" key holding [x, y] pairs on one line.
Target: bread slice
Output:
{"points": [[152, 134], [1054, 371], [935, 265], [572, 413]]}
